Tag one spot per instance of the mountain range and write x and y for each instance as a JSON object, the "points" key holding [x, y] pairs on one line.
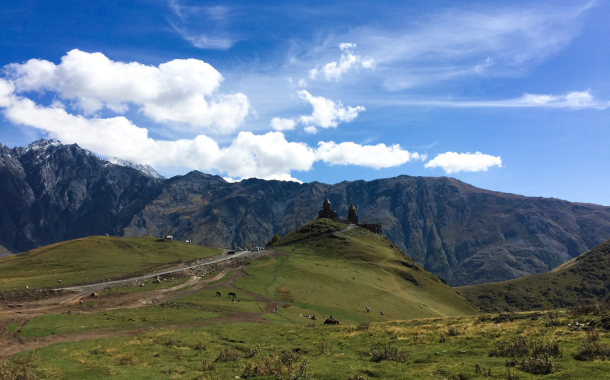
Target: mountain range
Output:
{"points": [[50, 192]]}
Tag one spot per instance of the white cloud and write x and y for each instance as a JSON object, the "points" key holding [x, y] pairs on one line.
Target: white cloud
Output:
{"points": [[280, 124], [349, 60], [326, 113], [573, 100], [311, 130], [182, 90], [268, 156], [302, 82], [452, 162], [372, 156]]}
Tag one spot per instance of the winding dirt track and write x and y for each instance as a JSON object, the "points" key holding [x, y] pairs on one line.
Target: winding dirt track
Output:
{"points": [[13, 343]]}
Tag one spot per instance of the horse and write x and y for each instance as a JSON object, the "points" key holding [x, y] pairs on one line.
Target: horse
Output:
{"points": [[331, 322], [232, 295], [218, 294]]}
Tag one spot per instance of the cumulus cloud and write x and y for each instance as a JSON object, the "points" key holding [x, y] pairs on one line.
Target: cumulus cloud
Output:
{"points": [[349, 60], [280, 124], [373, 156], [326, 113], [311, 130], [452, 162], [573, 100], [268, 156], [182, 90]]}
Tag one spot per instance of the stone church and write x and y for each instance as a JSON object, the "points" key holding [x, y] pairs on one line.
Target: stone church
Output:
{"points": [[352, 217]]}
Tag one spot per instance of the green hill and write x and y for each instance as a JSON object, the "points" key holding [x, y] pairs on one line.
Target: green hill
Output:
{"points": [[93, 258], [326, 269], [583, 279]]}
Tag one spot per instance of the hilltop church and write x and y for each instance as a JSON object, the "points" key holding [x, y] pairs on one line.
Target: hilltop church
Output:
{"points": [[352, 217]]}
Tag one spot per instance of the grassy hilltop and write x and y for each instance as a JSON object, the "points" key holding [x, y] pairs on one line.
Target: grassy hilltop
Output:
{"points": [[92, 258], [330, 271], [583, 279]]}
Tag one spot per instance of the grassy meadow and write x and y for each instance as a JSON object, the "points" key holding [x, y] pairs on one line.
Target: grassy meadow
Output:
{"points": [[433, 348], [93, 258]]}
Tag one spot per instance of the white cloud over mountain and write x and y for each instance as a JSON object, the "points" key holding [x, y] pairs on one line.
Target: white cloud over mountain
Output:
{"points": [[452, 162], [183, 90], [373, 156]]}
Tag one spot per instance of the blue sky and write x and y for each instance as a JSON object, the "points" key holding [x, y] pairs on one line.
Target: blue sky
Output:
{"points": [[511, 98]]}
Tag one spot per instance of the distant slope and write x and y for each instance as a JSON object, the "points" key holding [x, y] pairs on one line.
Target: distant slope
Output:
{"points": [[92, 258], [585, 278], [329, 271]]}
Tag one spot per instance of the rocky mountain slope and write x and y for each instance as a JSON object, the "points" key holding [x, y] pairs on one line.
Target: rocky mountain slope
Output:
{"points": [[466, 235]]}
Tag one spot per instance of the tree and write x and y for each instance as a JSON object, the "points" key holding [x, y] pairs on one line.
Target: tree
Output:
{"points": [[273, 240]]}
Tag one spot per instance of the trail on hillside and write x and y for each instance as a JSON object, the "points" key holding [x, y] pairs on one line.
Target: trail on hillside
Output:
{"points": [[12, 343]]}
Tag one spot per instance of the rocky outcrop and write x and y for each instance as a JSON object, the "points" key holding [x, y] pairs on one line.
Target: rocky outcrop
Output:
{"points": [[51, 192]]}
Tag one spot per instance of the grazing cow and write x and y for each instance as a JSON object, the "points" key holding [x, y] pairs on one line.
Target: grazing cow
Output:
{"points": [[232, 295], [381, 312], [331, 321], [218, 294]]}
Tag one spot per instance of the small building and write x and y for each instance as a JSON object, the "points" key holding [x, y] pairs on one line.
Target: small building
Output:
{"points": [[169, 237]]}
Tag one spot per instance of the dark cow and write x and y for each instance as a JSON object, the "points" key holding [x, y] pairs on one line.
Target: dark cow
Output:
{"points": [[218, 294], [330, 321], [232, 295]]}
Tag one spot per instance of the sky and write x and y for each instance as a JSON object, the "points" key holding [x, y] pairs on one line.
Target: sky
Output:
{"points": [[508, 97]]}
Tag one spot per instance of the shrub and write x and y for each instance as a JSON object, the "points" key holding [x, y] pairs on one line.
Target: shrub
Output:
{"points": [[389, 353], [542, 348], [173, 342], [583, 308], [591, 348], [482, 371], [453, 331], [512, 376], [363, 326], [201, 346], [515, 347], [205, 367], [228, 355], [19, 371], [285, 365], [252, 352], [538, 365]]}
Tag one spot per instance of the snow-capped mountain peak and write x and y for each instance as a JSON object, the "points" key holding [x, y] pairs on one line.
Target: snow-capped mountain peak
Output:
{"points": [[146, 169]]}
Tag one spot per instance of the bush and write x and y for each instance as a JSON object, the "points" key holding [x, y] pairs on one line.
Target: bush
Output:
{"points": [[19, 371], [453, 331], [542, 348], [583, 308], [363, 326], [252, 352], [273, 240], [205, 367], [286, 364], [389, 353], [539, 365], [515, 347], [591, 348], [552, 319], [228, 355], [201, 346]]}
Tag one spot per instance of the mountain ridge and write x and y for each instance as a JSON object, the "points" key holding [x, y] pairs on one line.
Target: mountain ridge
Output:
{"points": [[459, 232]]}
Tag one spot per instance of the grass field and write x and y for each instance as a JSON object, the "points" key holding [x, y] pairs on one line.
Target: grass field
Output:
{"points": [[119, 319], [93, 258], [424, 349]]}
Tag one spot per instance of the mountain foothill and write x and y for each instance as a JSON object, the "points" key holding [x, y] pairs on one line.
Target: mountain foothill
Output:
{"points": [[52, 192]]}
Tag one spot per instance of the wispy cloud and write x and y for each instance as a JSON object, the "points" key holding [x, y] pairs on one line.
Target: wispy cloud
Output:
{"points": [[216, 15], [573, 100], [458, 43], [348, 61]]}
